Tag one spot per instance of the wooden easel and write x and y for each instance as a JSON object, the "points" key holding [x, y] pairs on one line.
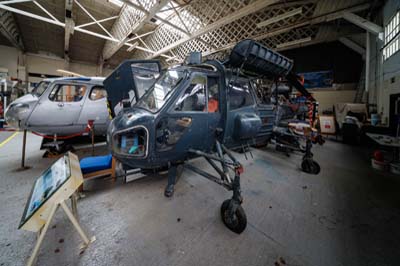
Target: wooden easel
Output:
{"points": [[40, 221], [72, 216]]}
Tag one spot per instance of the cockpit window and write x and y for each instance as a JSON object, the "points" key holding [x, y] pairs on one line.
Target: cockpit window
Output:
{"points": [[97, 93], [144, 75], [67, 93], [160, 92], [194, 97], [40, 88]]}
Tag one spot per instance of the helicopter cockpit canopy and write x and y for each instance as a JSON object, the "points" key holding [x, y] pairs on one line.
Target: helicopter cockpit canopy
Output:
{"points": [[131, 80], [156, 96]]}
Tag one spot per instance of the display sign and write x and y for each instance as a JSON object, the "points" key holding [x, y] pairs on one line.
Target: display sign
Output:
{"points": [[46, 185], [50, 191], [320, 79]]}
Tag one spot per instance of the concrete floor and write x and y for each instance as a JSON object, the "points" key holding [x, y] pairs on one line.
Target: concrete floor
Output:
{"points": [[347, 215]]}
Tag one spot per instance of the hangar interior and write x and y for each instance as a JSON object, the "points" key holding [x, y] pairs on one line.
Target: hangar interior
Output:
{"points": [[112, 112]]}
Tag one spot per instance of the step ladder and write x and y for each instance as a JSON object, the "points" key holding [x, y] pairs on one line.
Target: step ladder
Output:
{"points": [[360, 90]]}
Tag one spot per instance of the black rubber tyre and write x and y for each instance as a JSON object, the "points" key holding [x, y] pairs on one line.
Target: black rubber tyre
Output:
{"points": [[240, 219], [310, 166]]}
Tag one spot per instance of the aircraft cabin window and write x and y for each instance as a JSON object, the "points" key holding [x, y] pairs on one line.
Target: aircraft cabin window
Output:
{"points": [[194, 97], [239, 95], [67, 93], [40, 88], [97, 93], [213, 95]]}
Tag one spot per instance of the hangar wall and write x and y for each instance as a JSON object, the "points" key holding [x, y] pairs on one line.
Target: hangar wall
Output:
{"points": [[9, 58], [29, 67], [332, 56], [345, 63], [326, 99], [386, 78]]}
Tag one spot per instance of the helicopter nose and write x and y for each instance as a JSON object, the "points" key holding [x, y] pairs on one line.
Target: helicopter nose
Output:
{"points": [[16, 113]]}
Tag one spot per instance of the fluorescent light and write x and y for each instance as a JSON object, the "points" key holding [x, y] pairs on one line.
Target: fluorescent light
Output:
{"points": [[280, 17], [69, 73], [286, 44]]}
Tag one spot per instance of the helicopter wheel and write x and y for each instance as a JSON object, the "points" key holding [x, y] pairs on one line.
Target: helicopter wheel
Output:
{"points": [[310, 166], [237, 223]]}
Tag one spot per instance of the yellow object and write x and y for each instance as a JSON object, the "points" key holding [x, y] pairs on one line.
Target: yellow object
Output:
{"points": [[8, 139]]}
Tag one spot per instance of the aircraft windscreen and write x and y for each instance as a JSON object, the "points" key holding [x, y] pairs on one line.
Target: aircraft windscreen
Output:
{"points": [[40, 88], [159, 93], [144, 75]]}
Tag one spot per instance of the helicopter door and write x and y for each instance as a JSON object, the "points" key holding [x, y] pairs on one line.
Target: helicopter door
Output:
{"points": [[61, 107], [214, 109], [185, 125]]}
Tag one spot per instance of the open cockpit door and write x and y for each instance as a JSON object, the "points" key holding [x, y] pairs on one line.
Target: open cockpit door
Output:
{"points": [[130, 80]]}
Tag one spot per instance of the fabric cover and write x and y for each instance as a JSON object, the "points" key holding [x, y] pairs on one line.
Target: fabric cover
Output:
{"points": [[342, 109], [96, 163]]}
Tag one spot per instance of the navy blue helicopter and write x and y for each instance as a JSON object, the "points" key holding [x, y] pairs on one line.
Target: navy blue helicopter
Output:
{"points": [[197, 109]]}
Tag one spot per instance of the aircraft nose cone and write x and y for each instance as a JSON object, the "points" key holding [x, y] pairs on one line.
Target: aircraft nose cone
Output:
{"points": [[16, 114]]}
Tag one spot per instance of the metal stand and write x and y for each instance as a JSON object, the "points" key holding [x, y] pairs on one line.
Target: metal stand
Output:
{"points": [[23, 150], [23, 167], [92, 130], [56, 143], [71, 216]]}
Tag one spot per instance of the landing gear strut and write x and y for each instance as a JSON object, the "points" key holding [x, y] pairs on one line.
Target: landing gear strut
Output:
{"points": [[174, 172], [232, 213], [308, 165]]}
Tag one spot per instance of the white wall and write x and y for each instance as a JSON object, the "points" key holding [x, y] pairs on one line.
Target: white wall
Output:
{"points": [[382, 72], [327, 98], [44, 65], [10, 57], [391, 66]]}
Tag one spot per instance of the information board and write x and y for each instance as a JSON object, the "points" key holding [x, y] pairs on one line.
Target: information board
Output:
{"points": [[46, 185]]}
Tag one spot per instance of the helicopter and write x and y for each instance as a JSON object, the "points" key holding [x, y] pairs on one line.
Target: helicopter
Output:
{"points": [[61, 106], [291, 131], [196, 109]]}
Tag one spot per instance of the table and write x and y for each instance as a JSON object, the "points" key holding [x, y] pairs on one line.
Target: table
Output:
{"points": [[387, 141]]}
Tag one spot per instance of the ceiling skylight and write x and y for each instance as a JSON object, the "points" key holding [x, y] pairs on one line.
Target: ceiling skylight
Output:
{"points": [[116, 2]]}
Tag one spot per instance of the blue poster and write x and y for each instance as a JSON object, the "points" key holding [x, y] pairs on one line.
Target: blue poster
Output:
{"points": [[320, 79]]}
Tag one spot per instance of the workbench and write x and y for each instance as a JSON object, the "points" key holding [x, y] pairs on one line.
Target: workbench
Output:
{"points": [[387, 141]]}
